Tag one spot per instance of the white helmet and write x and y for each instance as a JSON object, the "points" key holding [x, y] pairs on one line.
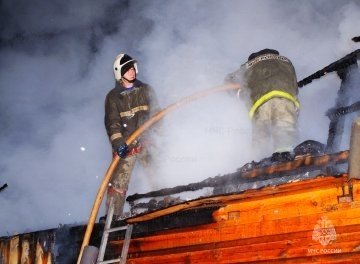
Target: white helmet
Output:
{"points": [[122, 64]]}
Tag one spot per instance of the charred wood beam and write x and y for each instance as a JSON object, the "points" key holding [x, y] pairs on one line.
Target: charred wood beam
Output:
{"points": [[153, 204], [299, 165], [335, 113], [209, 182], [304, 162], [3, 187], [338, 65], [336, 126], [181, 219]]}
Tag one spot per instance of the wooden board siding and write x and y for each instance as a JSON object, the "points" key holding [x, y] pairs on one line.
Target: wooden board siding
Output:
{"points": [[281, 223], [24, 250]]}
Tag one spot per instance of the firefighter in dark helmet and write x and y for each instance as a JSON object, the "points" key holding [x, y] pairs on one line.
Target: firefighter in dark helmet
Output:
{"points": [[269, 84]]}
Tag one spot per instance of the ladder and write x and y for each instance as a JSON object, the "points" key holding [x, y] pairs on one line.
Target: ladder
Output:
{"points": [[105, 236]]}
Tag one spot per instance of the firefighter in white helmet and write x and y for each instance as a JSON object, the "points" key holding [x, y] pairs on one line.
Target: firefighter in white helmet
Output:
{"points": [[127, 107]]}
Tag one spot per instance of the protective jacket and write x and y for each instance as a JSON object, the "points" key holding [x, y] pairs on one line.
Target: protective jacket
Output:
{"points": [[126, 109], [267, 76]]}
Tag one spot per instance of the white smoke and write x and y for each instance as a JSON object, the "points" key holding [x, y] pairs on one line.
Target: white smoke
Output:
{"points": [[56, 72]]}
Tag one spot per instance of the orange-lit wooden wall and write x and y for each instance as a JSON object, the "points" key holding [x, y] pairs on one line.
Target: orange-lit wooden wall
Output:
{"points": [[311, 221], [278, 224]]}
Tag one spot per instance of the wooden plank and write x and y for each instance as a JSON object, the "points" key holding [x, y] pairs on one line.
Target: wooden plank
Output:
{"points": [[288, 248], [251, 255], [355, 183], [276, 207], [14, 250]]}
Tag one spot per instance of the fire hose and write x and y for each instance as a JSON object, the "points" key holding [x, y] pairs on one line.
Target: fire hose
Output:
{"points": [[154, 119]]}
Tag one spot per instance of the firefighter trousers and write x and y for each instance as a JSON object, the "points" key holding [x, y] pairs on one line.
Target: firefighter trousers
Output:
{"points": [[274, 127]]}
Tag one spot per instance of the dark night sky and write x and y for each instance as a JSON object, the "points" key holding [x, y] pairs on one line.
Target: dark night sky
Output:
{"points": [[56, 68]]}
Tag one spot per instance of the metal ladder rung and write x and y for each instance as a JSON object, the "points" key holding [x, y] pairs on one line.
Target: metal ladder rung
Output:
{"points": [[104, 239], [115, 229], [110, 261]]}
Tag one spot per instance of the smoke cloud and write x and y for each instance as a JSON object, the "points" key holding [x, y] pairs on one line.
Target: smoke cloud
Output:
{"points": [[56, 68]]}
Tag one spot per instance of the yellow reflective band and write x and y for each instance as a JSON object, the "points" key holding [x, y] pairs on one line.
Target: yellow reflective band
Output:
{"points": [[270, 95], [134, 110]]}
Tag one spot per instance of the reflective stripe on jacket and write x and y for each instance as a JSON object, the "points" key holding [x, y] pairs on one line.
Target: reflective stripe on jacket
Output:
{"points": [[270, 95]]}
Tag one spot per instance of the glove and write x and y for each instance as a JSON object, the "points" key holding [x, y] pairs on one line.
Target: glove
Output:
{"points": [[122, 151], [121, 148]]}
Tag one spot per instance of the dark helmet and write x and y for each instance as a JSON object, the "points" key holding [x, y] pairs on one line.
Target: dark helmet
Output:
{"points": [[262, 52]]}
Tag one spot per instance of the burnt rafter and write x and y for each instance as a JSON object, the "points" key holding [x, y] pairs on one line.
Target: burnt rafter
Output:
{"points": [[346, 95], [338, 65], [209, 182], [304, 162], [3, 187], [335, 113], [300, 164]]}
